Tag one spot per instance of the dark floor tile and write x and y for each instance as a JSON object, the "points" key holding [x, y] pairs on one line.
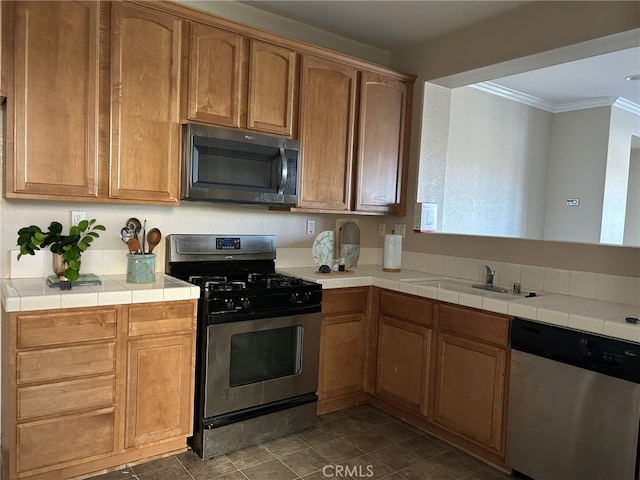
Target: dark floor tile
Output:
{"points": [[452, 465], [368, 415], [316, 435], [396, 457], [123, 474], [345, 426], [368, 441], [271, 470], [396, 431], [206, 469], [489, 473], [425, 446], [305, 461], [338, 450], [329, 417], [327, 474], [283, 446], [237, 475], [460, 463], [169, 472], [367, 466], [170, 462], [428, 470], [249, 456]]}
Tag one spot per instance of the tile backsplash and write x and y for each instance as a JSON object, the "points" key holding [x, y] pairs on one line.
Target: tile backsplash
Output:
{"points": [[599, 286], [593, 285]]}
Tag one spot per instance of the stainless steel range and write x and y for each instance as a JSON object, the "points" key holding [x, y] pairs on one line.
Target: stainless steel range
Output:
{"points": [[258, 341]]}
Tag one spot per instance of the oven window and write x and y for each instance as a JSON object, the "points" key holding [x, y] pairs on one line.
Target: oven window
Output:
{"points": [[265, 355]]}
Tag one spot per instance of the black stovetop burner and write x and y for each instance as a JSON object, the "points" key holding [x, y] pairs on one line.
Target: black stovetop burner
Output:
{"points": [[237, 277], [252, 283]]}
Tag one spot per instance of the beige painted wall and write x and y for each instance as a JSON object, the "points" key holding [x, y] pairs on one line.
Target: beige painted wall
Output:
{"points": [[537, 34]]}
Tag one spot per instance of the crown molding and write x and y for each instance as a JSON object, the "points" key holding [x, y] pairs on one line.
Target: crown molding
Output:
{"points": [[532, 101]]}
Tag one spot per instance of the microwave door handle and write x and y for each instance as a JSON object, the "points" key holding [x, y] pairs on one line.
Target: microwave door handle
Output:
{"points": [[283, 171]]}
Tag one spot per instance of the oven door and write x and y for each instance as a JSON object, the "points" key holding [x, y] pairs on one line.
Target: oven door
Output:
{"points": [[255, 362]]}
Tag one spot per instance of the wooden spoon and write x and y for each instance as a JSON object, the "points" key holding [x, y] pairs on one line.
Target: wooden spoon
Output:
{"points": [[153, 238], [134, 245]]}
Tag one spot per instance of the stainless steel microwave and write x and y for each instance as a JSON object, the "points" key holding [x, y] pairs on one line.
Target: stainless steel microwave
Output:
{"points": [[238, 167]]}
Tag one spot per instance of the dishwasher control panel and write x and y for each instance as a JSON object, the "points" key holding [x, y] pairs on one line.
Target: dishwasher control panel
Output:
{"points": [[606, 355]]}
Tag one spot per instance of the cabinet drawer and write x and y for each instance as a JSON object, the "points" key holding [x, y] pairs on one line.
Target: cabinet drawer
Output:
{"points": [[66, 362], [345, 300], [483, 326], [64, 327], [66, 397], [146, 319], [52, 442], [414, 309]]}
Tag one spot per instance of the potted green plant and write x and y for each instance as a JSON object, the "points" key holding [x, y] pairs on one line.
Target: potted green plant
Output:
{"points": [[67, 249]]}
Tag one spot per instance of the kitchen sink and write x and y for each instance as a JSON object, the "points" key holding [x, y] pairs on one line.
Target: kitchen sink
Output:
{"points": [[462, 287]]}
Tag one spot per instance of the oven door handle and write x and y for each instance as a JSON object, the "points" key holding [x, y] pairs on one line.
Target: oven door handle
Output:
{"points": [[283, 171]]}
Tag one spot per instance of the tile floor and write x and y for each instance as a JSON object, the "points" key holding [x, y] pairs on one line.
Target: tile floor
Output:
{"points": [[362, 441]]}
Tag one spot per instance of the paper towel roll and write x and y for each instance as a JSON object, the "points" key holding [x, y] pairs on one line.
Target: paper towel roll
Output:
{"points": [[392, 253]]}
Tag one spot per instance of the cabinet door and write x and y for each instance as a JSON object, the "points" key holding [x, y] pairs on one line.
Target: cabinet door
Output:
{"points": [[382, 137], [470, 390], [342, 356], [216, 76], [145, 129], [327, 112], [404, 351], [272, 89], [159, 389], [52, 130]]}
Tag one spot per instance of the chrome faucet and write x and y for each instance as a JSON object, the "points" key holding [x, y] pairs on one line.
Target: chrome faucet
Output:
{"points": [[489, 278]]}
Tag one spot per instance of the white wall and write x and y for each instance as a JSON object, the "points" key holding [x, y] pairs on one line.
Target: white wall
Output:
{"points": [[493, 179], [577, 164], [624, 125], [632, 224]]}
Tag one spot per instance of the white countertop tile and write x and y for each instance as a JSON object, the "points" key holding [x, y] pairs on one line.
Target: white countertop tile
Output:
{"points": [[596, 316], [587, 314], [24, 294]]}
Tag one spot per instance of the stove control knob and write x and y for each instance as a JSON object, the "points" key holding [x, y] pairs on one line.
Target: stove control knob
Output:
{"points": [[306, 297], [294, 298], [246, 303], [228, 302]]}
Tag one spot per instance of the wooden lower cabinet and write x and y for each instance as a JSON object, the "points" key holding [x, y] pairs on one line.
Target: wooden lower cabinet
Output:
{"points": [[444, 368], [343, 341], [469, 391], [82, 392], [404, 350], [471, 375], [159, 379]]}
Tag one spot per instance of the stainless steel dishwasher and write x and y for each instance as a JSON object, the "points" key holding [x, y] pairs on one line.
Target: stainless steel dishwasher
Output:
{"points": [[574, 404]]}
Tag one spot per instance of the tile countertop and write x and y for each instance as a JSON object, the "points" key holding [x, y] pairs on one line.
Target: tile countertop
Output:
{"points": [[594, 316], [25, 294]]}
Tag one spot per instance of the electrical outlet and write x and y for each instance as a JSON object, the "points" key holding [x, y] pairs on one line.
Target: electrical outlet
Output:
{"points": [[311, 227], [77, 216], [401, 229], [381, 229]]}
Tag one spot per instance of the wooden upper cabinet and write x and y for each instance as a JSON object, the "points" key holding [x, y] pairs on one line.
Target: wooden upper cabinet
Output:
{"points": [[52, 104], [382, 144], [216, 76], [240, 83], [327, 115], [273, 89], [145, 101]]}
